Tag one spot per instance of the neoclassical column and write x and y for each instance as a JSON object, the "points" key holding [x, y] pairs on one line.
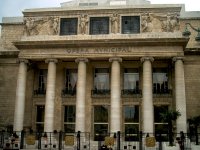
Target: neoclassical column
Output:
{"points": [[181, 122], [147, 96], [20, 96], [50, 95], [115, 104], [81, 93]]}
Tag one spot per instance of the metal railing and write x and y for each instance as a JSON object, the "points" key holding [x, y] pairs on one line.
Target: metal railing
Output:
{"points": [[82, 140]]}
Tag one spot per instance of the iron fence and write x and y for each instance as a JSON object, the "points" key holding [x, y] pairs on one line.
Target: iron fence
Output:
{"points": [[84, 141]]}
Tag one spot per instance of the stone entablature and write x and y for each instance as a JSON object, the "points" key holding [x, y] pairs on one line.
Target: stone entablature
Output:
{"points": [[43, 22]]}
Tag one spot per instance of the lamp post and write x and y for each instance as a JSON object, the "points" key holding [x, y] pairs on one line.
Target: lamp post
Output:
{"points": [[188, 33]]}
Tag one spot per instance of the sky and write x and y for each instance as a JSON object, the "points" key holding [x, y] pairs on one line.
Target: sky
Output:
{"points": [[13, 8]]}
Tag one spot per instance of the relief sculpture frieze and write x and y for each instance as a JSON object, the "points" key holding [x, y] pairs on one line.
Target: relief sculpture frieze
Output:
{"points": [[41, 26], [160, 22]]}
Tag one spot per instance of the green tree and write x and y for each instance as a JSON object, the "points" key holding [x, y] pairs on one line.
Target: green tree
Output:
{"points": [[194, 122], [169, 116]]}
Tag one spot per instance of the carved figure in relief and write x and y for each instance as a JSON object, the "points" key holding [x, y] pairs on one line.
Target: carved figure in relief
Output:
{"points": [[115, 23], [55, 25], [146, 23], [83, 23], [30, 27], [170, 23]]}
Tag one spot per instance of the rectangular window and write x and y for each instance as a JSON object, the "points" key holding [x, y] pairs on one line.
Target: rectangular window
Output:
{"points": [[131, 81], [40, 109], [100, 122], [101, 81], [130, 24], [99, 25], [69, 118], [131, 123], [160, 126], [160, 81], [42, 82], [68, 26], [70, 82]]}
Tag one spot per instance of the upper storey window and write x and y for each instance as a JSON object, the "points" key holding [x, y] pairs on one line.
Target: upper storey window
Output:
{"points": [[68, 26], [99, 25], [130, 24]]}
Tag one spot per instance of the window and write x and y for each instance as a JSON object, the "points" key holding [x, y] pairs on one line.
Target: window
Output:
{"points": [[99, 25], [131, 81], [42, 81], [100, 122], [160, 126], [131, 123], [160, 81], [68, 26], [40, 109], [130, 24], [70, 82], [69, 118], [101, 81]]}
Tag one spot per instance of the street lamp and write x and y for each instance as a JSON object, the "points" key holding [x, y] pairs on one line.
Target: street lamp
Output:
{"points": [[188, 33]]}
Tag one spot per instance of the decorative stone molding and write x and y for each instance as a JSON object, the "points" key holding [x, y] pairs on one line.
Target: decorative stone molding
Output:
{"points": [[174, 59], [114, 23], [81, 59], [83, 24], [115, 59], [51, 60], [41, 26], [146, 58], [23, 60]]}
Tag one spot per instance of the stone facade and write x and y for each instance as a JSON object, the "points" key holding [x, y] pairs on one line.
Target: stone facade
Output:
{"points": [[38, 38]]}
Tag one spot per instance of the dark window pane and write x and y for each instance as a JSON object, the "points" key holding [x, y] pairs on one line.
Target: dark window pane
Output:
{"points": [[99, 25], [40, 114], [68, 26], [70, 113], [100, 131], [42, 79], [69, 128], [157, 111], [131, 132], [100, 114], [131, 114], [130, 24]]}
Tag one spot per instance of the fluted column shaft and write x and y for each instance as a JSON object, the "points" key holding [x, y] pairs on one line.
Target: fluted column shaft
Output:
{"points": [[50, 96], [181, 122], [147, 103], [20, 96], [80, 96], [115, 119]]}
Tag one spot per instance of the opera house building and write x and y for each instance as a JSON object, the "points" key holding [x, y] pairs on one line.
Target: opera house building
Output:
{"points": [[100, 67]]}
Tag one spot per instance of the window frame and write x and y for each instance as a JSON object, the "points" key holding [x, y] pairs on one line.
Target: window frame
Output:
{"points": [[94, 20], [65, 122], [131, 31], [63, 24]]}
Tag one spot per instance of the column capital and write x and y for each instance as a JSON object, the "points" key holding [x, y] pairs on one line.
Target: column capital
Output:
{"points": [[146, 58], [115, 59], [51, 60], [22, 60], [174, 59], [81, 59]]}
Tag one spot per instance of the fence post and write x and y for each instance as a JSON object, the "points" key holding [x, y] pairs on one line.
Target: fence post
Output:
{"points": [[78, 140], [22, 139], [196, 136], [160, 142], [39, 140], [2, 139], [140, 140], [118, 140], [60, 141]]}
